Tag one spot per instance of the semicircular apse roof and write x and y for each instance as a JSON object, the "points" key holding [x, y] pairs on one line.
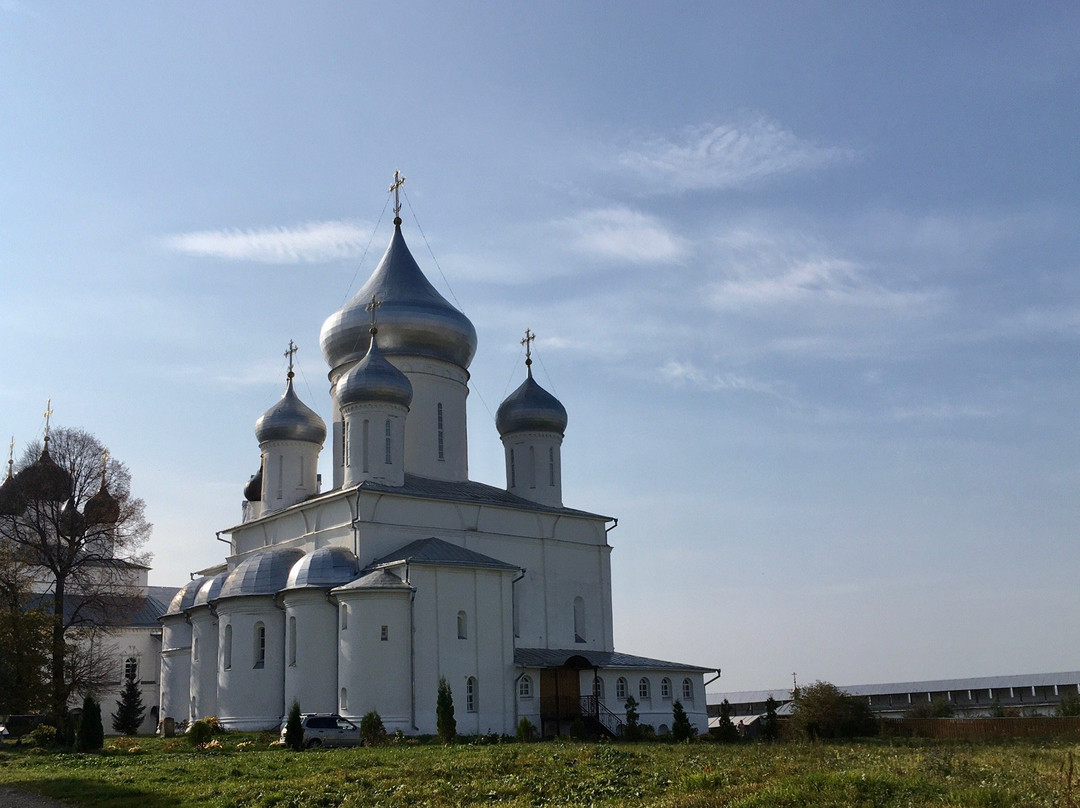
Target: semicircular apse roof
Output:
{"points": [[264, 573], [326, 567]]}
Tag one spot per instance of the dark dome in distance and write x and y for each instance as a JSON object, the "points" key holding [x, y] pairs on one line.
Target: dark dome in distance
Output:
{"points": [[530, 408]]}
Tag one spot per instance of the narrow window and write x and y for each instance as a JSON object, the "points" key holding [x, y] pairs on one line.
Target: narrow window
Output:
{"points": [[513, 471], [346, 439], [384, 634], [525, 687], [260, 645], [364, 446], [551, 466], [292, 642], [389, 443], [598, 687], [665, 688], [344, 700], [440, 430], [620, 688], [280, 474], [462, 626], [131, 668], [643, 688], [344, 616], [226, 648], [470, 694], [579, 619], [687, 689], [532, 467], [195, 649]]}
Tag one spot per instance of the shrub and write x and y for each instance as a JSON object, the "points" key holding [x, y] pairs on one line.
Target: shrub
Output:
{"points": [[577, 730], [823, 710], [200, 732], [632, 731], [526, 731], [444, 712], [937, 708], [770, 731], [42, 736], [1069, 705], [90, 736], [372, 731], [725, 731], [294, 728]]}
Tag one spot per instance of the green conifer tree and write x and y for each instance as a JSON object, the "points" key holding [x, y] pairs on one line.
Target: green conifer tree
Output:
{"points": [[633, 729], [91, 735], [681, 728], [294, 728], [444, 712], [129, 709]]}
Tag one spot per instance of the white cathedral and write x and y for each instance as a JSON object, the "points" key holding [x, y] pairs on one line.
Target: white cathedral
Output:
{"points": [[406, 571]]}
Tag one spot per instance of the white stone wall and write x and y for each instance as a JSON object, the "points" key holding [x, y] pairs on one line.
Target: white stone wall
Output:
{"points": [[204, 658], [311, 627], [175, 692], [250, 696]]}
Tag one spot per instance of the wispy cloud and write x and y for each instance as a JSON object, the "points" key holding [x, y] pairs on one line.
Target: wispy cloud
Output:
{"points": [[622, 234], [691, 374], [727, 155], [308, 242]]}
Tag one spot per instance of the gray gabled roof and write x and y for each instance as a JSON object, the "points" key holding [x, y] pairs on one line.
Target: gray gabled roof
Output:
{"points": [[379, 579], [442, 553], [558, 657]]}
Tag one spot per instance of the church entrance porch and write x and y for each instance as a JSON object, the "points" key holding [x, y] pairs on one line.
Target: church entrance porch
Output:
{"points": [[560, 699]]}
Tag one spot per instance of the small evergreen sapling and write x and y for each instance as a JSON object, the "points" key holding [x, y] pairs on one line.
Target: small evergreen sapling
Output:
{"points": [[632, 732], [91, 735], [771, 729], [681, 728], [444, 712], [294, 728], [372, 731], [129, 709]]}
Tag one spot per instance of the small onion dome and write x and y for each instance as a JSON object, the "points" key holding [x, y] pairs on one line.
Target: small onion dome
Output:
{"points": [[12, 500], [290, 419], [253, 489], [72, 523], [326, 567], [264, 573], [185, 597], [44, 480], [102, 508], [414, 319], [374, 379], [530, 408], [379, 579], [209, 589]]}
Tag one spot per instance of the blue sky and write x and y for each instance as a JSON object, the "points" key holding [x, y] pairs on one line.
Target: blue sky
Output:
{"points": [[804, 275]]}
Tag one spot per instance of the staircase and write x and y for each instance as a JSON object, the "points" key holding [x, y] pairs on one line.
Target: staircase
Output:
{"points": [[599, 718]]}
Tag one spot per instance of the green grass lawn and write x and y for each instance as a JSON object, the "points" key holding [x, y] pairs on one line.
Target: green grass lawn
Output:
{"points": [[877, 773]]}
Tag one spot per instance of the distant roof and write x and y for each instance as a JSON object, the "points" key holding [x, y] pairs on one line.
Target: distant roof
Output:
{"points": [[136, 611], [557, 657], [443, 553], [927, 686]]}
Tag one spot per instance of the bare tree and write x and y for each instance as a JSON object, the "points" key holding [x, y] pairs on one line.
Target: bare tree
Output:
{"points": [[68, 512]]}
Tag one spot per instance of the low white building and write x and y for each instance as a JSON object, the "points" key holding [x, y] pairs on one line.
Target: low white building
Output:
{"points": [[364, 596]]}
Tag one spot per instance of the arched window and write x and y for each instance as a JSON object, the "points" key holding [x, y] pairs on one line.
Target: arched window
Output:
{"points": [[226, 648], [687, 689], [292, 641], [280, 474], [364, 437], [551, 465], [344, 616], [439, 427], [525, 690], [643, 688], [195, 649], [620, 688], [579, 619], [131, 667], [598, 687], [389, 433], [665, 688], [532, 467], [346, 439], [470, 695], [260, 645], [462, 626], [344, 700], [513, 471]]}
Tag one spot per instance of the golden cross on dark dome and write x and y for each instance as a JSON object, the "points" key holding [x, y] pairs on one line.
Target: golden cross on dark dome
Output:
{"points": [[48, 415]]}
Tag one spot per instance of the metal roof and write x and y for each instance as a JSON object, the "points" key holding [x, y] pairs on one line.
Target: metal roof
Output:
{"points": [[558, 657], [290, 419], [263, 573], [442, 553], [325, 567], [136, 611], [379, 579]]}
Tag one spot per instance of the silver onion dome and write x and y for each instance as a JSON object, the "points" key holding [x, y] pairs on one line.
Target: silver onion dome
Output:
{"points": [[326, 567], [209, 590], [374, 379], [530, 408], [290, 419], [264, 573], [185, 597], [414, 319]]}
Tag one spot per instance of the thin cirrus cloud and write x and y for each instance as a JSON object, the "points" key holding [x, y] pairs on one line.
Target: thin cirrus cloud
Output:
{"points": [[727, 155], [622, 234], [691, 374], [308, 242]]}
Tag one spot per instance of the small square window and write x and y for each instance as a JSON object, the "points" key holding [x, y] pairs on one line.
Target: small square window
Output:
{"points": [[384, 635]]}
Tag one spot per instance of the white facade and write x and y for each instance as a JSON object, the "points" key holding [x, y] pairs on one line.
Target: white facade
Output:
{"points": [[406, 572]]}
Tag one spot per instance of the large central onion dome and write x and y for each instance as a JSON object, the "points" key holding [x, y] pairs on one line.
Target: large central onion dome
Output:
{"points": [[414, 319], [530, 408], [290, 419]]}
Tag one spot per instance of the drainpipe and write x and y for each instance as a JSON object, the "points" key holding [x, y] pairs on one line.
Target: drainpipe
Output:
{"points": [[217, 535], [355, 524], [513, 615], [613, 526], [412, 651]]}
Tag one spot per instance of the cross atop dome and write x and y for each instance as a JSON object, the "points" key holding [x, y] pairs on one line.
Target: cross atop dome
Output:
{"points": [[47, 415], [399, 180], [289, 355], [372, 307], [527, 342]]}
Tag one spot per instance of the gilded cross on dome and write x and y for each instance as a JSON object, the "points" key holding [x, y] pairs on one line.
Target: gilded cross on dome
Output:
{"points": [[11, 456], [47, 414], [398, 182], [374, 304], [290, 353]]}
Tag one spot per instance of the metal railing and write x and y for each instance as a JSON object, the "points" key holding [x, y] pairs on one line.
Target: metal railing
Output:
{"points": [[597, 710]]}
